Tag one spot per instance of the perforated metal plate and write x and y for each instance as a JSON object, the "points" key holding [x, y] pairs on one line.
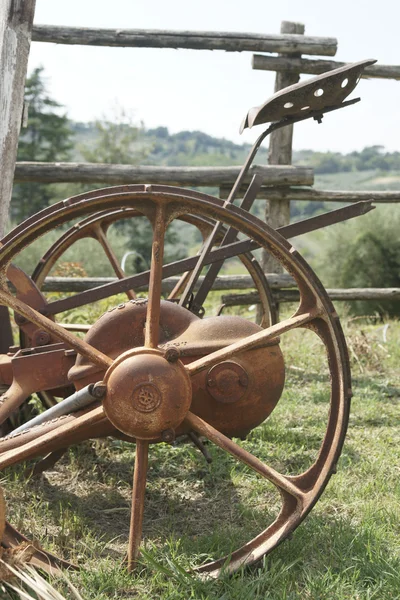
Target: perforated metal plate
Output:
{"points": [[314, 95]]}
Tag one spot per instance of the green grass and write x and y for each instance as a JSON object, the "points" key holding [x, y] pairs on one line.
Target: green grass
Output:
{"points": [[347, 548], [359, 180]]}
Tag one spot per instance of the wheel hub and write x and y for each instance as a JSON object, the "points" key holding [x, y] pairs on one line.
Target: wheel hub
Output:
{"points": [[234, 396], [146, 395]]}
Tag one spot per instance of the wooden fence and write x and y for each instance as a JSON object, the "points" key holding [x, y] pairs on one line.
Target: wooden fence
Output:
{"points": [[282, 182], [281, 285], [185, 176]]}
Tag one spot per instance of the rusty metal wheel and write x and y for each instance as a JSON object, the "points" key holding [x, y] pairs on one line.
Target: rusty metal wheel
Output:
{"points": [[162, 372]]}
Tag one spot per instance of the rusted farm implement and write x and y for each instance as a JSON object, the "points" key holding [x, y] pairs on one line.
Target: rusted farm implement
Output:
{"points": [[151, 370]]}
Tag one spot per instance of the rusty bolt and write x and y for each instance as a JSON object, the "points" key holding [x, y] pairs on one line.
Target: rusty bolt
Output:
{"points": [[210, 381], [99, 389], [168, 436], [41, 338], [171, 354]]}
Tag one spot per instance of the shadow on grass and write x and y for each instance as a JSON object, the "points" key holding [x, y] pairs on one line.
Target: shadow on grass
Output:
{"points": [[201, 511], [325, 550], [189, 512]]}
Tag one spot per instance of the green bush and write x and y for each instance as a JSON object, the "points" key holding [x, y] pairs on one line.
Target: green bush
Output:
{"points": [[363, 252]]}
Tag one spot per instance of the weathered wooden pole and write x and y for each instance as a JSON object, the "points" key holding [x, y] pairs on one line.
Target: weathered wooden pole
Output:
{"points": [[280, 153], [316, 66], [277, 212], [16, 18], [42, 172], [195, 40]]}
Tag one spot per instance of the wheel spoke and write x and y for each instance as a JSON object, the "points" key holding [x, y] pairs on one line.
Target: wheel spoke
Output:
{"points": [[45, 443], [175, 293], [252, 341], [185, 277], [103, 241], [244, 456], [138, 492], [95, 356], [229, 237], [201, 262], [157, 255]]}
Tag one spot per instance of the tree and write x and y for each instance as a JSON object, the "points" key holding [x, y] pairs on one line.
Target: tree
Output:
{"points": [[47, 137], [120, 141], [363, 252]]}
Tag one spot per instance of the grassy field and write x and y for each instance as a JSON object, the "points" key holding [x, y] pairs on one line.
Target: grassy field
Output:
{"points": [[348, 547], [359, 180]]}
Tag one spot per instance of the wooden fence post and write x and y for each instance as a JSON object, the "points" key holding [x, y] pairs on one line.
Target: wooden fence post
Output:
{"points": [[16, 18], [277, 213]]}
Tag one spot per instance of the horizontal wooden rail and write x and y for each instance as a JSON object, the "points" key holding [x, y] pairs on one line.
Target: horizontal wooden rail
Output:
{"points": [[223, 282], [282, 285], [196, 40], [344, 295], [316, 67], [118, 174], [331, 195]]}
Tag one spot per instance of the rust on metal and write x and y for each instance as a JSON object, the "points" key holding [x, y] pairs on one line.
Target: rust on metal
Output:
{"points": [[42, 368], [137, 510], [156, 370], [218, 377], [159, 223], [227, 381], [146, 394], [311, 96]]}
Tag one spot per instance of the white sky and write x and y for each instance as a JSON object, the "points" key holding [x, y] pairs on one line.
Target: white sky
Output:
{"points": [[212, 91]]}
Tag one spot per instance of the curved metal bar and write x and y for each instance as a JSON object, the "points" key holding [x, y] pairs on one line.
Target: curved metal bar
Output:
{"points": [[11, 400]]}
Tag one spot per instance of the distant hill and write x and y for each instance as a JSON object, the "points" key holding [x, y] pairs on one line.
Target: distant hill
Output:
{"points": [[370, 169], [186, 148], [197, 148], [374, 179], [370, 159]]}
